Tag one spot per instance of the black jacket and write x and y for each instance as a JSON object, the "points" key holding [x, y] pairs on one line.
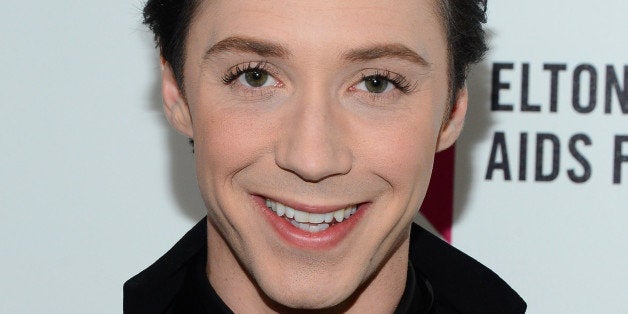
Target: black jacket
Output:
{"points": [[441, 279]]}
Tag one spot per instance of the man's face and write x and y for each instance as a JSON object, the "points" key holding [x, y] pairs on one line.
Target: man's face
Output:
{"points": [[332, 109]]}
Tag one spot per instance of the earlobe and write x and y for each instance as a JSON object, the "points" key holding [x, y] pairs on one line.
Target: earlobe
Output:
{"points": [[175, 105], [452, 127]]}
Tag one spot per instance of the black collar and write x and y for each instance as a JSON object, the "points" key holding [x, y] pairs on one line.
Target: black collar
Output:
{"points": [[441, 279]]}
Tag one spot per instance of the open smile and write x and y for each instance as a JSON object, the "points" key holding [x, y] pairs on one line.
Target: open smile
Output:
{"points": [[309, 226], [311, 222]]}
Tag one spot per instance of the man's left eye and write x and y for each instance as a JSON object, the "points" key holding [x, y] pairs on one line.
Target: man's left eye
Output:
{"points": [[256, 78], [375, 84]]}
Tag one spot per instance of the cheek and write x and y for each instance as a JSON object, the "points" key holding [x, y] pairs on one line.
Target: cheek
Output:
{"points": [[403, 155], [401, 149], [406, 156], [227, 142], [401, 146]]}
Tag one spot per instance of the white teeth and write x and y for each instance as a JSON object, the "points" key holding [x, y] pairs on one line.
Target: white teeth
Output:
{"points": [[289, 212], [318, 227], [316, 218], [310, 222], [281, 209], [329, 217], [339, 215], [301, 216], [308, 227]]}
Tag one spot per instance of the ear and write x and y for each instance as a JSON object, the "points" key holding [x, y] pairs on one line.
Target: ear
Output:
{"points": [[175, 105], [451, 128]]}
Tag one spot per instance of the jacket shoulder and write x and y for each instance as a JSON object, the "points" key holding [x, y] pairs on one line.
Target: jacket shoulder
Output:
{"points": [[154, 289], [459, 282]]}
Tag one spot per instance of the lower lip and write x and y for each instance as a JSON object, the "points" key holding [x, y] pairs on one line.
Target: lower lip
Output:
{"points": [[294, 236]]}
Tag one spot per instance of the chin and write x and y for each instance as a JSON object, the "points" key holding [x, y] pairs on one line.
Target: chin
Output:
{"points": [[309, 299], [307, 295]]}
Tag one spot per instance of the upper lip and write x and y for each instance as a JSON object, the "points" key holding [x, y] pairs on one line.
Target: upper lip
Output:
{"points": [[310, 208]]}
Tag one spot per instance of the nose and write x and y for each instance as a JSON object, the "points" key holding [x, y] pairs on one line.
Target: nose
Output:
{"points": [[314, 142]]}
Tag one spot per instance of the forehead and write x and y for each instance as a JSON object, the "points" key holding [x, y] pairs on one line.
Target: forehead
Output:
{"points": [[312, 27]]}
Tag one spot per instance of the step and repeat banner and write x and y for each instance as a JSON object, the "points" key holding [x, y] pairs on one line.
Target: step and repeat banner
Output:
{"points": [[541, 170], [94, 184]]}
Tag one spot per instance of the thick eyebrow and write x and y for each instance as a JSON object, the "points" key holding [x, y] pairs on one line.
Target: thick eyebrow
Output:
{"points": [[249, 45], [398, 51]]}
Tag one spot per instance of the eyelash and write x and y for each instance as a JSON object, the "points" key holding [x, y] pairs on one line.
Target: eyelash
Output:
{"points": [[399, 81], [242, 68]]}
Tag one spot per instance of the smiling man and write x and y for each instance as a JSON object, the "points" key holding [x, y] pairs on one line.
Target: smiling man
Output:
{"points": [[315, 125]]}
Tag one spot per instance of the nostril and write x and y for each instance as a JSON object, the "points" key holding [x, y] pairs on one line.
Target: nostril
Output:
{"points": [[314, 163]]}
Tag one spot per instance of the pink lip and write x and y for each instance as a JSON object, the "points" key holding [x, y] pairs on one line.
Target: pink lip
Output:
{"points": [[296, 237]]}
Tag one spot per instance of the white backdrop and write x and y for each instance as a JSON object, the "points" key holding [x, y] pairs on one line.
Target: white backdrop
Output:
{"points": [[94, 185]]}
